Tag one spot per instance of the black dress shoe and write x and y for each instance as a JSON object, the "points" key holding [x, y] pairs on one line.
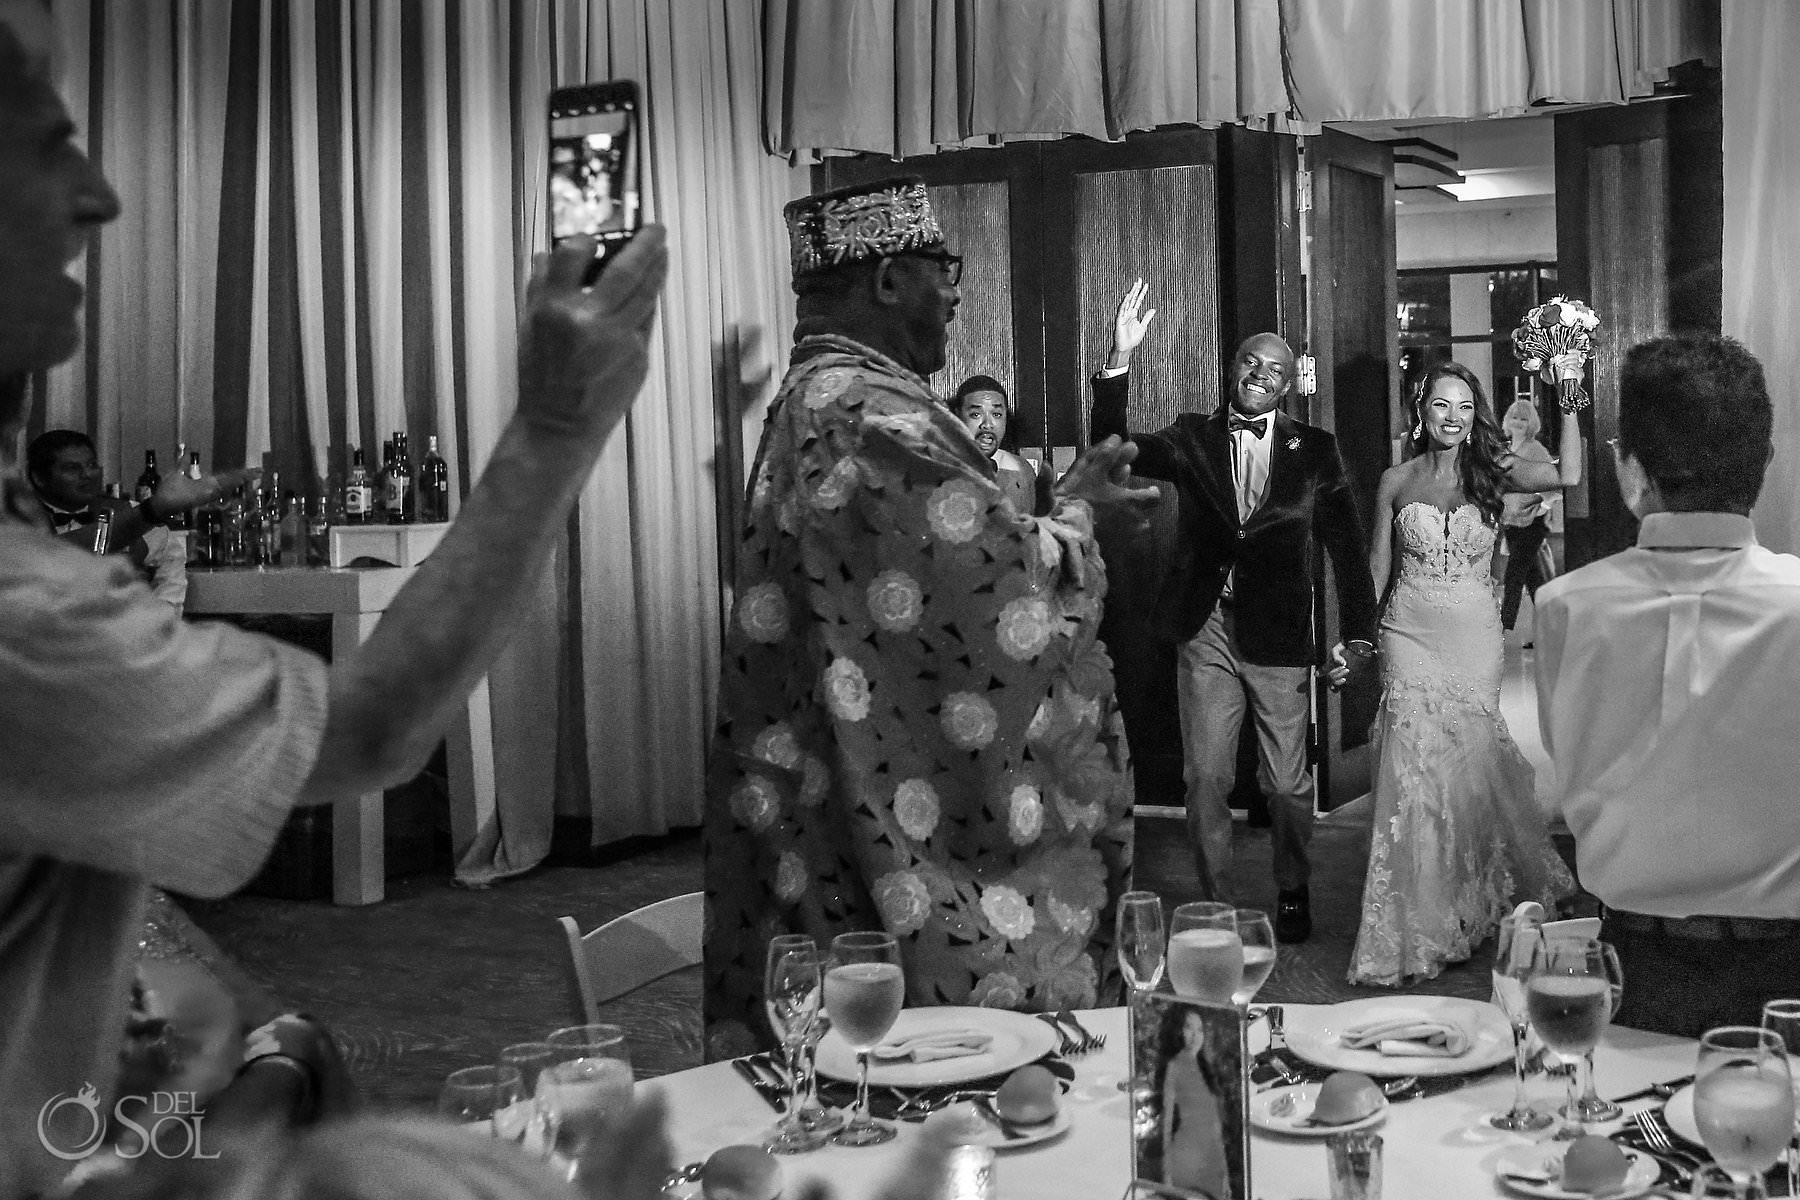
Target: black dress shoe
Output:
{"points": [[1293, 916]]}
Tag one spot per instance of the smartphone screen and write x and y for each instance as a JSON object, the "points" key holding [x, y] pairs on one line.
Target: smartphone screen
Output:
{"points": [[594, 135]]}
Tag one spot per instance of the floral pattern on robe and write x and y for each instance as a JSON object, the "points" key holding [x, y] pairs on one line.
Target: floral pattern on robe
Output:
{"points": [[917, 730]]}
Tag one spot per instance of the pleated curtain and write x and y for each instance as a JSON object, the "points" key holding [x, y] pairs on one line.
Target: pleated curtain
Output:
{"points": [[904, 77], [330, 208]]}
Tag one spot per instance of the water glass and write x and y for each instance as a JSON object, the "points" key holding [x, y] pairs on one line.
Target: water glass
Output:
{"points": [[1258, 938], [1512, 967], [530, 1058], [476, 1094], [578, 1097], [864, 989], [588, 1041], [1355, 1160], [1143, 945], [1206, 955], [813, 1115], [1570, 998], [792, 981], [1744, 1103]]}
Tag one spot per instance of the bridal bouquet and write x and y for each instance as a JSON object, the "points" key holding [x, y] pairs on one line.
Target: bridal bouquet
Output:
{"points": [[1554, 338]]}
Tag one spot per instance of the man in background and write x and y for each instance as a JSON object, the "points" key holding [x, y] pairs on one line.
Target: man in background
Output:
{"points": [[1665, 677], [64, 470], [139, 749]]}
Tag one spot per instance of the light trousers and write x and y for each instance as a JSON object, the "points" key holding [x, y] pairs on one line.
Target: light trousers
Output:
{"points": [[1216, 689]]}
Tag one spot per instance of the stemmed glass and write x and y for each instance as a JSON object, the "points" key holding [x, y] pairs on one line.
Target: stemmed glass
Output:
{"points": [[1744, 1103], [1258, 939], [791, 986], [480, 1094], [1512, 967], [1142, 946], [864, 989], [1206, 955], [1569, 996], [529, 1059], [1782, 1017]]}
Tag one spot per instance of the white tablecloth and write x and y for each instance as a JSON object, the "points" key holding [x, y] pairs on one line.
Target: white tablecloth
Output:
{"points": [[1434, 1148]]}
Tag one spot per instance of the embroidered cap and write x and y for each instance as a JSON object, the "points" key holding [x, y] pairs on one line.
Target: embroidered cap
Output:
{"points": [[863, 221]]}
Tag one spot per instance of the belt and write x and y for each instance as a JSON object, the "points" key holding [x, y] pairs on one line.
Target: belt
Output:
{"points": [[1703, 928]]}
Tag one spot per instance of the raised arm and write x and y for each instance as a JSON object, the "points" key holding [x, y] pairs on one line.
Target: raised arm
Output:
{"points": [[582, 358], [1526, 475], [1112, 388]]}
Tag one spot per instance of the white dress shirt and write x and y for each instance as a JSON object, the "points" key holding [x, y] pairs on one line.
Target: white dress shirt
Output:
{"points": [[1250, 463], [1666, 680]]}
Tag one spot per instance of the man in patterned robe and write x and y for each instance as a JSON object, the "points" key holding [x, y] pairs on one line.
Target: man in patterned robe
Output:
{"points": [[917, 730]]}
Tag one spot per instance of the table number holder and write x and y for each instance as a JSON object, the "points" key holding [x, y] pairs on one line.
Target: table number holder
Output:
{"points": [[1187, 1154]]}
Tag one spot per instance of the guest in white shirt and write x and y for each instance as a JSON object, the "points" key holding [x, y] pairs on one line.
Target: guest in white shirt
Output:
{"points": [[1665, 679], [982, 404]]}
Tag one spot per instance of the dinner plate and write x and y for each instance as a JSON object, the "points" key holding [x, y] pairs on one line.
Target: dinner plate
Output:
{"points": [[1546, 1158], [977, 1130], [1017, 1040], [1264, 1109], [1313, 1034]]}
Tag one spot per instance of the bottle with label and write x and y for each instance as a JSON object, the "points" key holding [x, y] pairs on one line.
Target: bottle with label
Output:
{"points": [[149, 481], [236, 551], [400, 502], [256, 523], [293, 528], [434, 484], [359, 497], [179, 520], [318, 534], [209, 527], [102, 528], [378, 511]]}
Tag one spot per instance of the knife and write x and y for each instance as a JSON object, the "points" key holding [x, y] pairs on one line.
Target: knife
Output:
{"points": [[1662, 1091], [757, 1082]]}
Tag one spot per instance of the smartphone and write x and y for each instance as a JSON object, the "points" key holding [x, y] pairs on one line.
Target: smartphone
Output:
{"points": [[596, 135]]}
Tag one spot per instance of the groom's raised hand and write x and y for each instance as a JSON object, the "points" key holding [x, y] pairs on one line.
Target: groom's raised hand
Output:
{"points": [[1130, 324]]}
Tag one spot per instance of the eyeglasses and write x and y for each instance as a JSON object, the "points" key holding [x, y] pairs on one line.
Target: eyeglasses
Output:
{"points": [[952, 264]]}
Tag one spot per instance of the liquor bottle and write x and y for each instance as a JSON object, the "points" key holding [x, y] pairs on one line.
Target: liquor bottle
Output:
{"points": [[293, 528], [236, 553], [359, 497], [318, 534], [182, 520], [378, 510], [102, 528], [209, 527], [434, 484], [256, 526], [149, 481], [400, 510], [111, 492]]}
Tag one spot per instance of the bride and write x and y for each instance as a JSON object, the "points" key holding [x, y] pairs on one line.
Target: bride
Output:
{"points": [[1457, 832]]}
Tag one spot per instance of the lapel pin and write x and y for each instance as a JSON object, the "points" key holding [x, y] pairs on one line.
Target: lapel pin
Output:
{"points": [[1293, 443]]}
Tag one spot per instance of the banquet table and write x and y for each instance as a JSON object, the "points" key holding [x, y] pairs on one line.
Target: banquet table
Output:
{"points": [[1436, 1147]]}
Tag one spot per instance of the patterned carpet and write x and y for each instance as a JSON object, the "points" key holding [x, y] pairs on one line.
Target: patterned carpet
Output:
{"points": [[439, 977]]}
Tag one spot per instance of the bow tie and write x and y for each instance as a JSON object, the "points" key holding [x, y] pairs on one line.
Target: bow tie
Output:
{"points": [[1256, 425], [85, 517]]}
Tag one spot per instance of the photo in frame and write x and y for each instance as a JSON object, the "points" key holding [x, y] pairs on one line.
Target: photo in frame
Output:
{"points": [[1190, 1099]]}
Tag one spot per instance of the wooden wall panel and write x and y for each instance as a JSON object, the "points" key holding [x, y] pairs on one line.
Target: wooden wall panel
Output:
{"points": [[976, 226], [1160, 225], [1628, 271]]}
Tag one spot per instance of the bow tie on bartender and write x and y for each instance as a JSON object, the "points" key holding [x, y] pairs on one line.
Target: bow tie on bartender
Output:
{"points": [[1256, 425], [85, 517]]}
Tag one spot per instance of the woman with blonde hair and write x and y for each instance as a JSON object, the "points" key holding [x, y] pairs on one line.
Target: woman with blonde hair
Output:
{"points": [[1524, 517]]}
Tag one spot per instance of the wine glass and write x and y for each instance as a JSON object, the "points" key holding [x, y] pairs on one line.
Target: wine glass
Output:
{"points": [[476, 1094], [864, 989], [1206, 955], [1258, 939], [1143, 946], [589, 1084], [1782, 1017], [1744, 1103], [1512, 967], [814, 1116], [791, 985], [1569, 995], [529, 1058]]}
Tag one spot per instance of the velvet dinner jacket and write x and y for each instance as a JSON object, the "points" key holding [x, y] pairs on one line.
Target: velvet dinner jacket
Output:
{"points": [[1308, 497]]}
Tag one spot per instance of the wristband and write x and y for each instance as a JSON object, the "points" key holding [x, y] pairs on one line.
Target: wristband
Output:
{"points": [[309, 1082]]}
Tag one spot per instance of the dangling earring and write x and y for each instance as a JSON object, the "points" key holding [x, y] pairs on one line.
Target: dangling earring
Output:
{"points": [[1418, 428]]}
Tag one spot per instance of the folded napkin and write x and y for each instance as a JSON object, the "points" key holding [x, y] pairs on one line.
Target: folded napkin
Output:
{"points": [[1408, 1035], [936, 1045]]}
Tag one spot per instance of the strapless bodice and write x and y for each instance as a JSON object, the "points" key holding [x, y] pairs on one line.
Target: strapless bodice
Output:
{"points": [[1444, 548]]}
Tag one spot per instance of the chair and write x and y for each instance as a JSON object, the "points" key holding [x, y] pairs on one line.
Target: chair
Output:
{"points": [[630, 951]]}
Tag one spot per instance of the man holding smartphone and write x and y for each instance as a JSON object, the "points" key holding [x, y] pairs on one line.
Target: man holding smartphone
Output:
{"points": [[139, 749]]}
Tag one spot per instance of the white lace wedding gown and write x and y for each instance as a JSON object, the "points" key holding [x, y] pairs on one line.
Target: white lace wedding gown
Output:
{"points": [[1457, 834]]}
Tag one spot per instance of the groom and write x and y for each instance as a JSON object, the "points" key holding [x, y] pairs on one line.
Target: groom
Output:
{"points": [[1257, 489]]}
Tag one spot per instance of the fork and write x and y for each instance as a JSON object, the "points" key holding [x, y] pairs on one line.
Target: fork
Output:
{"points": [[1066, 1045], [1394, 1089], [1649, 1123], [1089, 1042]]}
